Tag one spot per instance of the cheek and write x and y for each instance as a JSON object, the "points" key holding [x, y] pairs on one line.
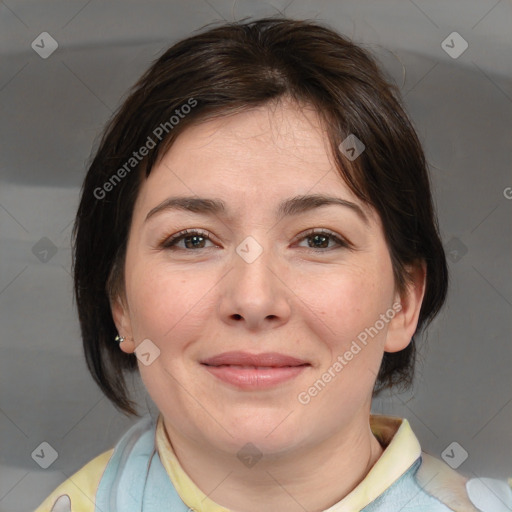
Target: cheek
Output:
{"points": [[346, 305], [348, 301], [164, 302]]}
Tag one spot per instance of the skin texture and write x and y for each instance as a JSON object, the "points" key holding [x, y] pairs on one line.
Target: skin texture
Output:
{"points": [[295, 298]]}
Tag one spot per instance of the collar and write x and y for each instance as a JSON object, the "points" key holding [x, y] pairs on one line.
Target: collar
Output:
{"points": [[401, 450]]}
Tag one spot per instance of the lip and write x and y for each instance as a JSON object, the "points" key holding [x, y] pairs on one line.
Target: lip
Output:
{"points": [[269, 359], [254, 371]]}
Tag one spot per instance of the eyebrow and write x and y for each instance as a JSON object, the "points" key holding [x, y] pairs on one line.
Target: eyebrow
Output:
{"points": [[293, 206]]}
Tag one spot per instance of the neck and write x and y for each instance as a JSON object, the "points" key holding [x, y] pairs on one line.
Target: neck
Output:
{"points": [[313, 478]]}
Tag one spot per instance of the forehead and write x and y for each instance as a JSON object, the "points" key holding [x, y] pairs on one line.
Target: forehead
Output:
{"points": [[260, 154], [284, 133]]}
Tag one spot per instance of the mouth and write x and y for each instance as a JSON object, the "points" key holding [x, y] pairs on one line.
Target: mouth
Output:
{"points": [[254, 371]]}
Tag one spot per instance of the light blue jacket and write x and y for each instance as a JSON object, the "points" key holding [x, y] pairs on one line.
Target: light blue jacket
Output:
{"points": [[135, 480]]}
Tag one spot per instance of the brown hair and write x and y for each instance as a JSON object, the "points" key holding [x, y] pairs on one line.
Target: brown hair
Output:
{"points": [[235, 67]]}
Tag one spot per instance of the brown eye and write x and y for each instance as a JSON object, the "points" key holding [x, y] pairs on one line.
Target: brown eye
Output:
{"points": [[320, 240], [192, 239]]}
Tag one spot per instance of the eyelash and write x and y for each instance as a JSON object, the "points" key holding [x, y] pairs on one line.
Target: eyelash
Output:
{"points": [[170, 242]]}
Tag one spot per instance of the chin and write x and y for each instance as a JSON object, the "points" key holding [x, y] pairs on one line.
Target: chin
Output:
{"points": [[266, 430]]}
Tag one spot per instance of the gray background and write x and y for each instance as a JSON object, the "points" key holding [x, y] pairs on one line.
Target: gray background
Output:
{"points": [[52, 111]]}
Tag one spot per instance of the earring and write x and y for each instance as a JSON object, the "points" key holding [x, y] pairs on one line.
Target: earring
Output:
{"points": [[119, 339]]}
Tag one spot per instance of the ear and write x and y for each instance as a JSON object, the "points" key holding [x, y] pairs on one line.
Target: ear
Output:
{"points": [[121, 316], [403, 325]]}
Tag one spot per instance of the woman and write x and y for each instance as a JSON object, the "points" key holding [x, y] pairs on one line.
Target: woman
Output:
{"points": [[256, 237]]}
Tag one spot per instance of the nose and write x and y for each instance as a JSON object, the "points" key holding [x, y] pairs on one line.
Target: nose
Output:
{"points": [[254, 292]]}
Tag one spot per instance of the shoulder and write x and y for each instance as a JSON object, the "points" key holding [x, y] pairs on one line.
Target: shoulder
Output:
{"points": [[78, 491], [459, 493]]}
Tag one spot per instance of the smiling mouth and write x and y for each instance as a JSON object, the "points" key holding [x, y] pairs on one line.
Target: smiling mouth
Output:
{"points": [[253, 367], [246, 371], [248, 360]]}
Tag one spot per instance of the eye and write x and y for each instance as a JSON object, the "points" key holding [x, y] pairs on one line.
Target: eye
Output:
{"points": [[320, 239], [194, 239]]}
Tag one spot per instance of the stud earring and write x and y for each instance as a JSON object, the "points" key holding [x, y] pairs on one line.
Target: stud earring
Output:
{"points": [[119, 339]]}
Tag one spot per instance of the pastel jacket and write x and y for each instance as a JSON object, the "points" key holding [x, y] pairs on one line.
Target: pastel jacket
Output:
{"points": [[142, 473]]}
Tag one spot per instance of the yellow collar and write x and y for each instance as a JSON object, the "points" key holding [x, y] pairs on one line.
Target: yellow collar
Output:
{"points": [[395, 435]]}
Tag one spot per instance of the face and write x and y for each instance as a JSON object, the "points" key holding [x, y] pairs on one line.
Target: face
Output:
{"points": [[256, 303]]}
